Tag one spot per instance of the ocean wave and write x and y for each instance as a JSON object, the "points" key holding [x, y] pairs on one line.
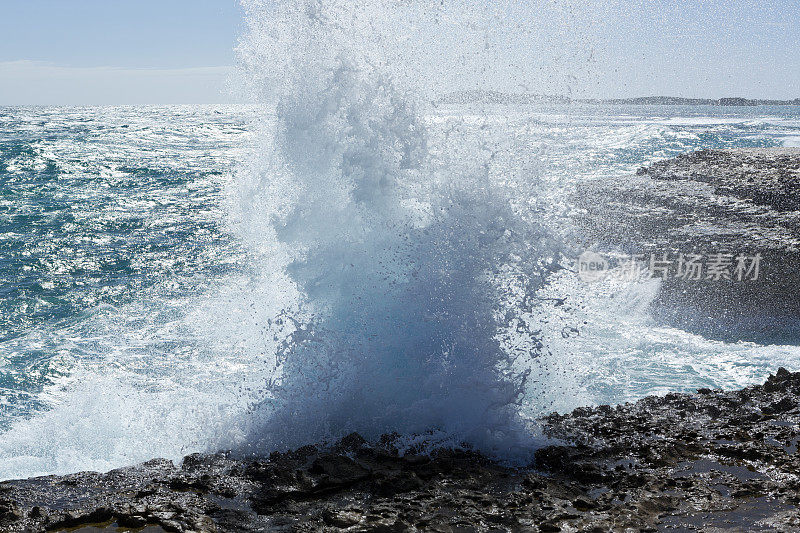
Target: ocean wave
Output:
{"points": [[343, 257]]}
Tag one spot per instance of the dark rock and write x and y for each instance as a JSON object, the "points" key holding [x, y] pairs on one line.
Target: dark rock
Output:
{"points": [[338, 469], [131, 521], [8, 512], [391, 482], [659, 461], [342, 519], [780, 406], [351, 443], [739, 202], [548, 527]]}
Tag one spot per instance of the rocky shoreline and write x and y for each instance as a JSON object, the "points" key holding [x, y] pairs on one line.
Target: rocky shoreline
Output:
{"points": [[739, 202], [712, 461]]}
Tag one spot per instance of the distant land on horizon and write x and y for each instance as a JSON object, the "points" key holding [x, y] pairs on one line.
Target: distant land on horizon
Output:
{"points": [[497, 97]]}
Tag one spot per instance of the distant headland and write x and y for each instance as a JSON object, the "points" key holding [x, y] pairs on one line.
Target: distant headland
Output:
{"points": [[675, 100], [497, 97]]}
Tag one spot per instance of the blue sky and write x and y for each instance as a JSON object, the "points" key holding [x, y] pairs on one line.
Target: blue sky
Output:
{"points": [[181, 51], [703, 48], [116, 51]]}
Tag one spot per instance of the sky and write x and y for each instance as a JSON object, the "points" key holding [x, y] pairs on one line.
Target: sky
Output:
{"points": [[86, 52], [80, 52], [701, 48]]}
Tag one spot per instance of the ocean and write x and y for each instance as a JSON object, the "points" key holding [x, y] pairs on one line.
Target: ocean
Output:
{"points": [[168, 287]]}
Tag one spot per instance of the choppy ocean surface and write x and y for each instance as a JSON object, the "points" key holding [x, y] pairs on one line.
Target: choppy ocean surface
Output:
{"points": [[140, 317]]}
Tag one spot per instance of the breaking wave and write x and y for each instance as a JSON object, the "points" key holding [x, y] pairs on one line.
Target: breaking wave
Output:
{"points": [[413, 273]]}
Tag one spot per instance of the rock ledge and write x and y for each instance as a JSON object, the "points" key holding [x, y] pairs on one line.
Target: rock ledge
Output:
{"points": [[726, 461]]}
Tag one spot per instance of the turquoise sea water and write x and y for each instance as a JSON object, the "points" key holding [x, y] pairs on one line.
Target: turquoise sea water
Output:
{"points": [[100, 208], [134, 321]]}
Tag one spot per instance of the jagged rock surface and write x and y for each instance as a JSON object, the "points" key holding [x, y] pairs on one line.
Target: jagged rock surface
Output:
{"points": [[741, 202], [725, 460]]}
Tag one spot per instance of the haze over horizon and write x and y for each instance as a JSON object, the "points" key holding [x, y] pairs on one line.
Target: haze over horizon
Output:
{"points": [[148, 52]]}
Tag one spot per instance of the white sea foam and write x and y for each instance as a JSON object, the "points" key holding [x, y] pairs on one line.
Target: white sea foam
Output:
{"points": [[395, 267], [791, 141]]}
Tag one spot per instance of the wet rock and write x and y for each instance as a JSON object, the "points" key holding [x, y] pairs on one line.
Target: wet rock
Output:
{"points": [[739, 202], [336, 470], [132, 521], [8, 512], [341, 519], [662, 461]]}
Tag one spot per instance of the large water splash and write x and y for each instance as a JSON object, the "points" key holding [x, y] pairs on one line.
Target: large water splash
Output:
{"points": [[392, 250], [411, 271]]}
